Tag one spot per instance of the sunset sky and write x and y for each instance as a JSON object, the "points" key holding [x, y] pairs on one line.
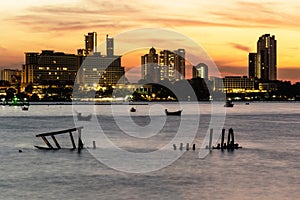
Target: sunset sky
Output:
{"points": [[228, 30]]}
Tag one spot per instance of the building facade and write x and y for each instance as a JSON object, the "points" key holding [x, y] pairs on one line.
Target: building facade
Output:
{"points": [[200, 71], [11, 75], [234, 84], [90, 42], [109, 46], [49, 66], [252, 65], [150, 68]]}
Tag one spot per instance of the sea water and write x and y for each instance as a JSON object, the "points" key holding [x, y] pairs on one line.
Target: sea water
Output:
{"points": [[267, 167]]}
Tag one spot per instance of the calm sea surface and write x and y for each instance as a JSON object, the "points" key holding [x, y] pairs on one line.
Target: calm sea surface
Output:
{"points": [[268, 166]]}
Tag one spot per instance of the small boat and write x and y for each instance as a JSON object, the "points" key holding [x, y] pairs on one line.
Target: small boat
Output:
{"points": [[228, 104], [247, 103], [25, 108], [132, 109], [84, 118], [178, 112]]}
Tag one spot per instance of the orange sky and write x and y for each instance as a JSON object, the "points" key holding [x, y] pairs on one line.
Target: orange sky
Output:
{"points": [[226, 30]]}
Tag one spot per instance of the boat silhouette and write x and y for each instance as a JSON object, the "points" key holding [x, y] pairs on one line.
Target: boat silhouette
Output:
{"points": [[84, 118], [177, 113]]}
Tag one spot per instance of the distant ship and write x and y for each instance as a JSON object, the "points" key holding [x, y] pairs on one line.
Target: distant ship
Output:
{"points": [[132, 109], [228, 103], [178, 113], [84, 118]]}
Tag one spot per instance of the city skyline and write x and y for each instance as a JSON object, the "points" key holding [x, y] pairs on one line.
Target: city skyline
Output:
{"points": [[228, 31]]}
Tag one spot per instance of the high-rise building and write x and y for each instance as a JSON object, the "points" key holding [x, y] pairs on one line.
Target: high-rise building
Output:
{"points": [[179, 64], [91, 42], [167, 64], [150, 67], [101, 69], [172, 64], [252, 65], [267, 59], [201, 71], [42, 68], [263, 63], [109, 46]]}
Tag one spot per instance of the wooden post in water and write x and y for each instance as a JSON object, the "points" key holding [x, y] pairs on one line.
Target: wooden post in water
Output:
{"points": [[174, 146], [194, 147], [232, 138], [55, 141], [80, 144], [72, 140], [187, 146], [94, 144], [181, 146], [210, 139], [222, 139], [47, 142]]}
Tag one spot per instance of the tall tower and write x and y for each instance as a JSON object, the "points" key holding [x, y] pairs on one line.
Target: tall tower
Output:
{"points": [[179, 64], [267, 58], [150, 67], [91, 42], [109, 46], [201, 71]]}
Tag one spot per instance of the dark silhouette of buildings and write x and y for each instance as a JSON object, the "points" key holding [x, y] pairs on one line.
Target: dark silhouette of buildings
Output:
{"points": [[263, 64]]}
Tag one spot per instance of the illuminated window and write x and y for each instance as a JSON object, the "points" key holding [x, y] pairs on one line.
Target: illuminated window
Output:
{"points": [[54, 61], [57, 78], [57, 68], [48, 68], [94, 69], [65, 68], [49, 73], [41, 68]]}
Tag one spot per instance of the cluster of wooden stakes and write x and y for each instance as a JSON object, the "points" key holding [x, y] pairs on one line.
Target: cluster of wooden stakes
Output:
{"points": [[229, 145]]}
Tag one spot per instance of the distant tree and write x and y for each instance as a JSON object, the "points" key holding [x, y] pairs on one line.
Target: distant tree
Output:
{"points": [[10, 93], [4, 83], [29, 89], [34, 98]]}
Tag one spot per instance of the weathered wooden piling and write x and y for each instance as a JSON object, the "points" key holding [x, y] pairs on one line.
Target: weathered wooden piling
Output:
{"points": [[181, 146], [187, 146], [174, 146], [222, 139], [230, 140], [194, 147], [210, 139], [94, 144], [80, 144], [52, 134]]}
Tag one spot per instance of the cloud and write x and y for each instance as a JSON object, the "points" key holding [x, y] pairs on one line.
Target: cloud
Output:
{"points": [[93, 14], [258, 14], [2, 49], [240, 47]]}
